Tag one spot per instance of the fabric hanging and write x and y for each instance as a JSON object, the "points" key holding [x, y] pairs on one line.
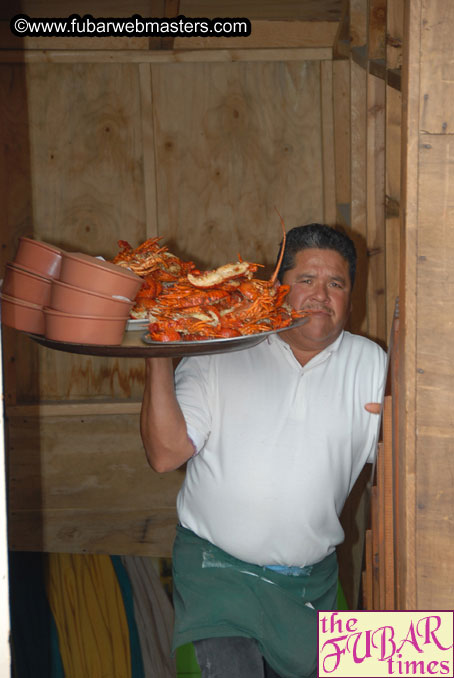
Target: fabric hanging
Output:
{"points": [[87, 604], [35, 650], [137, 669], [154, 617]]}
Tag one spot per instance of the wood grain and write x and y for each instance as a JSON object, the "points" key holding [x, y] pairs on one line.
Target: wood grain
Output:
{"points": [[375, 177]]}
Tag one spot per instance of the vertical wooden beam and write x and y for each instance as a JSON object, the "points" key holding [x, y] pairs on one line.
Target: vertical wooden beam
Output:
{"points": [[388, 507], [342, 134], [376, 312], [392, 200], [407, 296], [359, 320], [5, 656], [148, 145], [329, 197], [377, 29]]}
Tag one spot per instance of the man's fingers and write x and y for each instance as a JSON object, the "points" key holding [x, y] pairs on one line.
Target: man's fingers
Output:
{"points": [[373, 407]]}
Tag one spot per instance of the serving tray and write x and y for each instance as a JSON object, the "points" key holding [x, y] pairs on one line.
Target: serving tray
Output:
{"points": [[137, 345]]}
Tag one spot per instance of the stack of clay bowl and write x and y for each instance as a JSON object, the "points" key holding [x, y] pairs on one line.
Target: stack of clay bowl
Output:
{"points": [[27, 285], [91, 301]]}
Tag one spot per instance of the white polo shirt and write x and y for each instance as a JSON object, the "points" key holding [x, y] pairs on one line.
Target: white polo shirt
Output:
{"points": [[280, 445]]}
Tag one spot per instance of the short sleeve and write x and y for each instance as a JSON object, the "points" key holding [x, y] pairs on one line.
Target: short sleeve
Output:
{"points": [[192, 390]]}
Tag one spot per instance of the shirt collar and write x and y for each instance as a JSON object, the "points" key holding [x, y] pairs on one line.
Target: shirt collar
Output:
{"points": [[317, 359]]}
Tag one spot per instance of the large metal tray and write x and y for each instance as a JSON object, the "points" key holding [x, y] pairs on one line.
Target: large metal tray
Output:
{"points": [[137, 345]]}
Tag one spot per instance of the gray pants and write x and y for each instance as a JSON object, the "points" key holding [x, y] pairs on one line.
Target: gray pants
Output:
{"points": [[235, 657]]}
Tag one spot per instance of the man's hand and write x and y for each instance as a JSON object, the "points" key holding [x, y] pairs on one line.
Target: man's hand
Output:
{"points": [[373, 407]]}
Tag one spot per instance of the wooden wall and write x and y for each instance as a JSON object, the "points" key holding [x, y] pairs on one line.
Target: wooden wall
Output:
{"points": [[426, 436], [129, 142]]}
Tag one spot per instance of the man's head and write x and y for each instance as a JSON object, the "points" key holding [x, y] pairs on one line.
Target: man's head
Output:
{"points": [[317, 236], [319, 265]]}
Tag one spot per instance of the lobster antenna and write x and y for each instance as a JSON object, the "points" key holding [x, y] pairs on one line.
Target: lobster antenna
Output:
{"points": [[279, 262]]}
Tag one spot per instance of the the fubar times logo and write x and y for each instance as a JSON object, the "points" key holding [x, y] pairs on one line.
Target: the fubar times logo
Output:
{"points": [[362, 644]]}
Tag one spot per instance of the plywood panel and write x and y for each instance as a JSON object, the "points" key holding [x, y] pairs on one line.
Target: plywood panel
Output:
{"points": [[232, 142], [93, 167], [81, 189]]}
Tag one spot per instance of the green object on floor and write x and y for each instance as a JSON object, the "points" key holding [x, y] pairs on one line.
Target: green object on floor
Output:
{"points": [[187, 666]]}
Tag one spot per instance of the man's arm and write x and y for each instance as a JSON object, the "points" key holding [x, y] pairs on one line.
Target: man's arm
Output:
{"points": [[162, 425]]}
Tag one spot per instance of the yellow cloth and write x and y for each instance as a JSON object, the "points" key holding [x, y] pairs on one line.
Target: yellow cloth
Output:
{"points": [[87, 604]]}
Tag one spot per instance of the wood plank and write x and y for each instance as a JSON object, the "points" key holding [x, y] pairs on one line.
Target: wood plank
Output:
{"points": [[84, 462], [310, 10], [62, 8], [395, 370], [376, 564], [407, 299], [380, 527], [437, 69], [358, 22], [368, 573], [329, 180], [393, 137], [342, 130], [165, 56], [388, 506], [435, 370], [268, 34], [206, 115], [119, 532], [375, 177], [394, 33], [376, 43], [5, 651], [358, 320], [149, 165], [13, 42], [74, 408]]}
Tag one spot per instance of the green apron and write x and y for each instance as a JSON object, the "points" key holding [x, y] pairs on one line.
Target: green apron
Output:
{"points": [[216, 595]]}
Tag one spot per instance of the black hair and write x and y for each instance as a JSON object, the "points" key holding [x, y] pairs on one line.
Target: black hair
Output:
{"points": [[317, 236]]}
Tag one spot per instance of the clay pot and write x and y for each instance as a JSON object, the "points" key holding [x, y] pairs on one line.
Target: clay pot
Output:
{"points": [[22, 315], [23, 283], [41, 257], [78, 301], [83, 329], [90, 273]]}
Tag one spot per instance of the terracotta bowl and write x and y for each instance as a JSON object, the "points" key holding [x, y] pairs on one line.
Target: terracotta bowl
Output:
{"points": [[83, 329], [41, 257], [23, 283], [77, 301], [90, 273], [22, 315]]}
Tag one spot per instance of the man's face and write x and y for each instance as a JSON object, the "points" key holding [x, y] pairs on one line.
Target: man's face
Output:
{"points": [[320, 282]]}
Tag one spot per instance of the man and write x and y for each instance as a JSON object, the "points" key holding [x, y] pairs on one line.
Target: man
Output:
{"points": [[275, 437]]}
